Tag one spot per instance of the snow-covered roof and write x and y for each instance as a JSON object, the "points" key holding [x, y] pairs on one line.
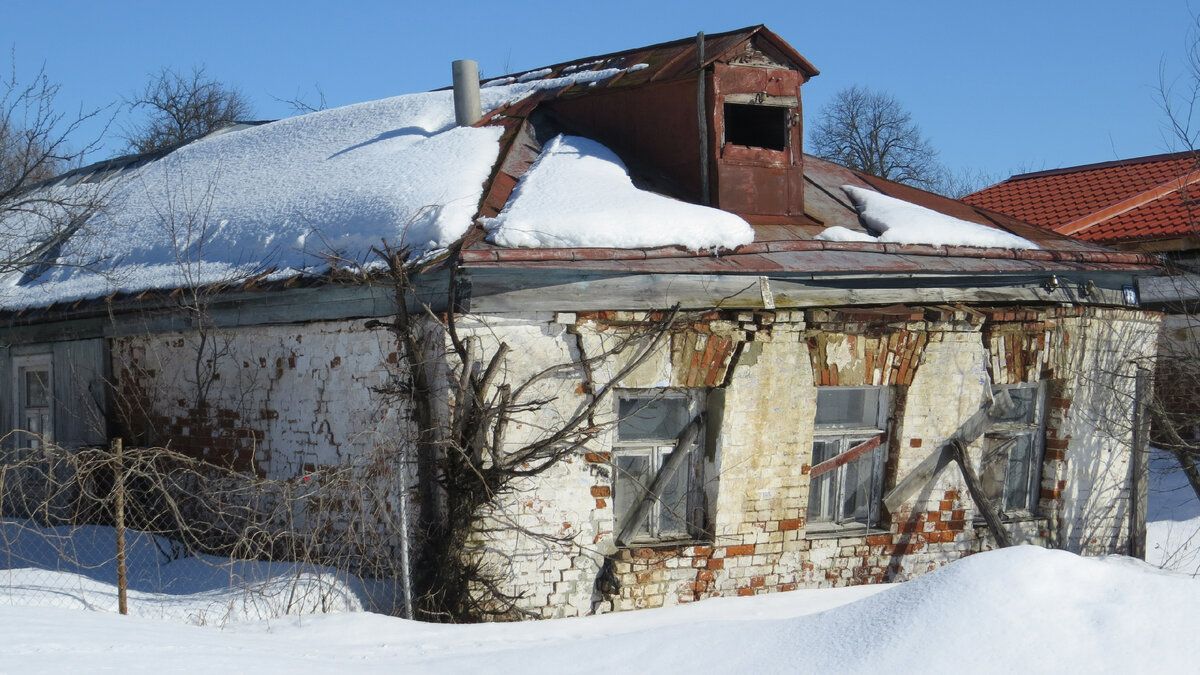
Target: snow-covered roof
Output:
{"points": [[293, 197]]}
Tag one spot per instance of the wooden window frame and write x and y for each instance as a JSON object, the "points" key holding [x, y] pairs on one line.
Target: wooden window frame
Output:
{"points": [[27, 437], [1002, 437], [855, 442], [652, 529]]}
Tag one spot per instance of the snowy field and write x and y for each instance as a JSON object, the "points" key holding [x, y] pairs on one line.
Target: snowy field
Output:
{"points": [[1020, 609]]}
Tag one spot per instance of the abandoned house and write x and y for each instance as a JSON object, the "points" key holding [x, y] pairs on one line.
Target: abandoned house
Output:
{"points": [[815, 348]]}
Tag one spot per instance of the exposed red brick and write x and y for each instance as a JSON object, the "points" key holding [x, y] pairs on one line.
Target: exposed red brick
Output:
{"points": [[745, 591], [914, 442], [716, 564], [790, 524], [601, 491], [744, 549], [597, 457]]}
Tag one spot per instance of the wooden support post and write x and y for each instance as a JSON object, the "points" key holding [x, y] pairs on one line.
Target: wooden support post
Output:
{"points": [[1139, 465], [119, 525], [959, 452]]}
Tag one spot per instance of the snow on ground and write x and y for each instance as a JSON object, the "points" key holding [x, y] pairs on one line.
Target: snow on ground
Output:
{"points": [[75, 568], [1023, 609], [1173, 527], [1019, 609], [579, 194], [900, 222]]}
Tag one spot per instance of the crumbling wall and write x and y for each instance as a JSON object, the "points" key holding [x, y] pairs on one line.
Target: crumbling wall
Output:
{"points": [[940, 363], [300, 397]]}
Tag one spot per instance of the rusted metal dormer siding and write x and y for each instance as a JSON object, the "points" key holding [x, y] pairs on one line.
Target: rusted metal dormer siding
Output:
{"points": [[751, 116], [755, 141]]}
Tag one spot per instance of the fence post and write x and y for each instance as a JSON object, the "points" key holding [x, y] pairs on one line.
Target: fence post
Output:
{"points": [[119, 525]]}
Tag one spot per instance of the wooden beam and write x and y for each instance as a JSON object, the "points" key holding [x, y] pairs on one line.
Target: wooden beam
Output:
{"points": [[683, 447], [992, 409]]}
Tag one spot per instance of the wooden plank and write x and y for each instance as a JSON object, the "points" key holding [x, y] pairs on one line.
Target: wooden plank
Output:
{"points": [[958, 451], [7, 412], [683, 449], [971, 429], [510, 290], [845, 458], [1139, 464], [80, 392]]}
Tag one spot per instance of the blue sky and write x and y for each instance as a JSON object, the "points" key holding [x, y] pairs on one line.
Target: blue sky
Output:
{"points": [[996, 87]]}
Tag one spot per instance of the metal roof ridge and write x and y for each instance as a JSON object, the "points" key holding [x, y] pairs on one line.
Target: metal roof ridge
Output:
{"points": [[1128, 204]]}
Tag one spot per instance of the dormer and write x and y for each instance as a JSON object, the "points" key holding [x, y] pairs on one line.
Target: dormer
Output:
{"points": [[714, 120]]}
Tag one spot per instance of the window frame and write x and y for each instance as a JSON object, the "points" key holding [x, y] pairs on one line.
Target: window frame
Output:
{"points": [[27, 438], [849, 437], [1003, 433], [658, 450]]}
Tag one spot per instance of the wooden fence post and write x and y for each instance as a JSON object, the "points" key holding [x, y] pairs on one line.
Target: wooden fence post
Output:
{"points": [[119, 517]]}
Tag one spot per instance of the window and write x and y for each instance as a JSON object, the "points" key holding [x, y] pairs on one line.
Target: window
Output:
{"points": [[1012, 451], [849, 442], [657, 493], [32, 390], [757, 126]]}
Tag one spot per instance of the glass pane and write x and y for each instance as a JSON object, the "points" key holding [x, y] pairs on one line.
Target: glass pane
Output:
{"points": [[821, 497], [1017, 485], [822, 490], [672, 511], [994, 467], [651, 418], [1024, 409], [824, 450], [37, 388], [846, 407], [630, 485], [857, 492]]}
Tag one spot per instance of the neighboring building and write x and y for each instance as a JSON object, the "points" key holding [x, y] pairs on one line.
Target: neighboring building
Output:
{"points": [[840, 329], [1144, 204]]}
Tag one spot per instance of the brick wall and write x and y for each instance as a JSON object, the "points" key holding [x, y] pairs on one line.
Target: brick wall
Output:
{"points": [[940, 364], [286, 401]]}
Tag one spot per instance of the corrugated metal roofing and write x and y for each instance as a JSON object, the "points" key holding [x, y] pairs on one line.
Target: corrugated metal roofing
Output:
{"points": [[1141, 199]]}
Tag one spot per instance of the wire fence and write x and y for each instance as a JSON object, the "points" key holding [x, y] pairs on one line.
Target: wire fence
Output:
{"points": [[150, 531]]}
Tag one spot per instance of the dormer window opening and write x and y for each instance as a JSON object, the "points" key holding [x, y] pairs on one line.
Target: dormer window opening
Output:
{"points": [[760, 122]]}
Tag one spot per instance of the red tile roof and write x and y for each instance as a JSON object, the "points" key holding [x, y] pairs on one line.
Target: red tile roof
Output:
{"points": [[1134, 200]]}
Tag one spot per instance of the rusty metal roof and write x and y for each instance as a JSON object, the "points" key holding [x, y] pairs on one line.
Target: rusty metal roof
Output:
{"points": [[790, 246], [667, 61], [781, 243]]}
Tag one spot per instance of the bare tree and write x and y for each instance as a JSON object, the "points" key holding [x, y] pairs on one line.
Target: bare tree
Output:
{"points": [[1173, 408], [871, 132], [184, 107], [463, 400], [37, 142]]}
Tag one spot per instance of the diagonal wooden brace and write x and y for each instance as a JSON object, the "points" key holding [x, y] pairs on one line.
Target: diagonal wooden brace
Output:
{"points": [[683, 446], [974, 427], [846, 457]]}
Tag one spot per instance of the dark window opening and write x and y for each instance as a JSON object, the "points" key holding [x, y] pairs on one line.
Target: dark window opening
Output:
{"points": [[757, 126]]}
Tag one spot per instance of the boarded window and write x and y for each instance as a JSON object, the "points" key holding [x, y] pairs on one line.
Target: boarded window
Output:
{"points": [[756, 126], [1012, 452], [849, 442], [649, 428]]}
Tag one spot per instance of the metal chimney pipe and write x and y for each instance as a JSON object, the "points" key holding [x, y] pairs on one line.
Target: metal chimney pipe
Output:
{"points": [[466, 93]]}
